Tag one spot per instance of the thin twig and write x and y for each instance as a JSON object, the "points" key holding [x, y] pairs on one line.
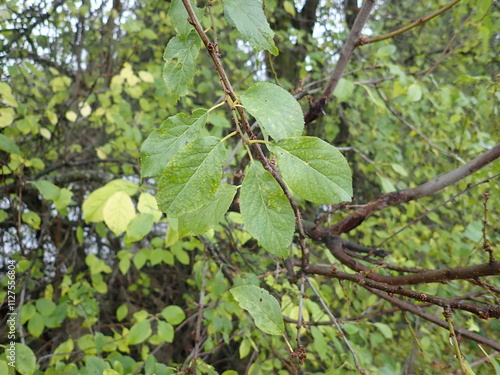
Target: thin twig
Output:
{"points": [[418, 22], [245, 125], [337, 325], [345, 54]]}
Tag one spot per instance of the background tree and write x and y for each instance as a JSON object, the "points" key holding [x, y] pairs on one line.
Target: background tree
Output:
{"points": [[97, 133]]}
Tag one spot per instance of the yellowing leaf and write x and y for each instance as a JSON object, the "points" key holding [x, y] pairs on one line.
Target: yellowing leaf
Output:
{"points": [[118, 212], [71, 116], [7, 116], [146, 76], [85, 110]]}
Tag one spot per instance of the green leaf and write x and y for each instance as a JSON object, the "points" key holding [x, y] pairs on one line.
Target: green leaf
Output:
{"points": [[63, 350], [192, 176], [275, 109], [118, 212], [266, 211], [263, 307], [139, 332], [209, 215], [36, 325], [179, 69], [45, 306], [179, 16], [384, 329], [7, 116], [172, 135], [48, 190], [6, 95], [7, 145], [414, 93], [139, 227], [25, 360], [251, 22], [93, 206], [173, 314], [314, 169], [32, 219], [344, 90], [147, 205], [166, 331], [121, 312]]}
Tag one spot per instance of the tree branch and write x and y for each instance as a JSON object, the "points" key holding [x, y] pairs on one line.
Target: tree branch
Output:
{"points": [[357, 217], [483, 311], [227, 87], [418, 22], [425, 276], [431, 318], [351, 43]]}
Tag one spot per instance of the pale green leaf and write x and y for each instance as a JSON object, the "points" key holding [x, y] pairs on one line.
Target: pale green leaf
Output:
{"points": [[251, 22], [344, 90], [139, 227], [139, 332], [45, 306], [6, 95], [209, 215], [121, 312], [414, 93], [64, 350], [36, 325], [118, 212], [387, 50], [384, 329], [71, 116], [147, 205], [93, 206], [266, 212], [32, 219], [387, 185], [263, 307], [7, 145], [173, 314], [192, 176], [275, 109], [25, 360], [179, 69], [7, 116], [314, 169], [140, 259], [64, 199], [165, 331], [48, 190], [179, 17], [172, 135]]}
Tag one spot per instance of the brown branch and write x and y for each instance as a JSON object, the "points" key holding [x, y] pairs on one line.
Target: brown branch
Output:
{"points": [[418, 22], [431, 318], [351, 43], [484, 311], [357, 217], [425, 276]]}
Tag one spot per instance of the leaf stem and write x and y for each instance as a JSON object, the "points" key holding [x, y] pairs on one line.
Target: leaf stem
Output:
{"points": [[216, 106], [230, 135]]}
